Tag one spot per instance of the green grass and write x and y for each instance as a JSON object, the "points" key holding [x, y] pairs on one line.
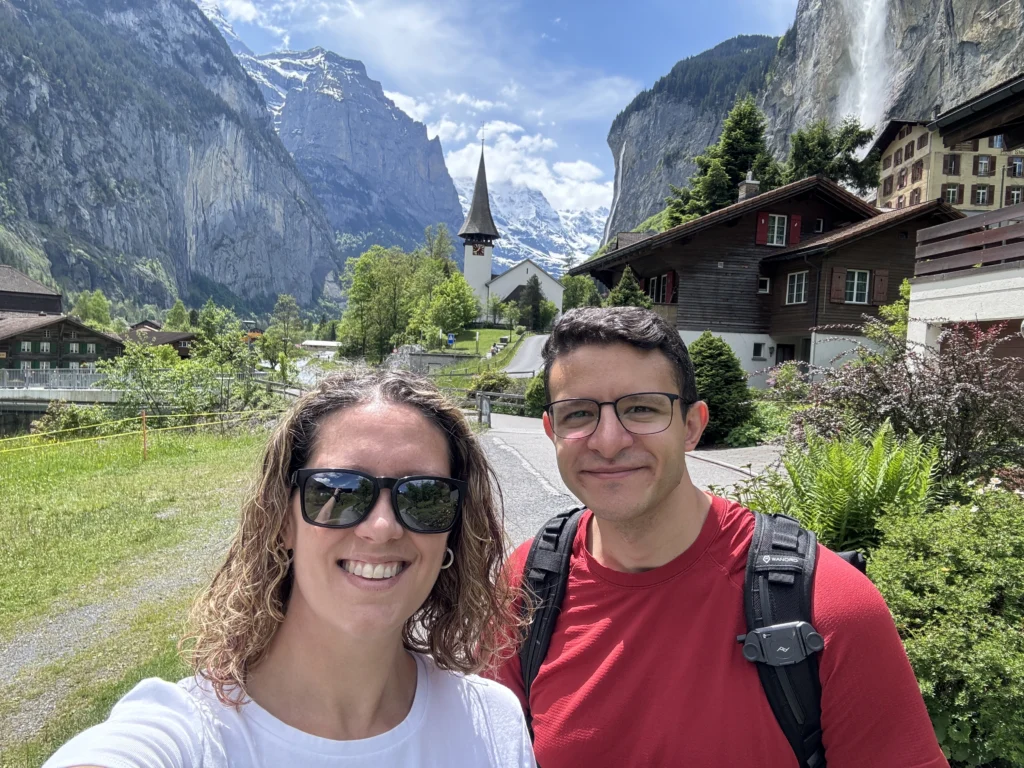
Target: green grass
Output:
{"points": [[466, 341], [77, 519], [458, 377], [95, 678]]}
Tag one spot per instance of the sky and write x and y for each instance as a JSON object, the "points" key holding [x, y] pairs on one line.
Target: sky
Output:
{"points": [[539, 80]]}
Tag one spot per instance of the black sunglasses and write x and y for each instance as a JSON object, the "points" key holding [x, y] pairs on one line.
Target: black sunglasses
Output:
{"points": [[342, 498]]}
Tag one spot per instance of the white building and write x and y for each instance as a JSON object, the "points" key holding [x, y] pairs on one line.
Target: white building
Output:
{"points": [[479, 233]]}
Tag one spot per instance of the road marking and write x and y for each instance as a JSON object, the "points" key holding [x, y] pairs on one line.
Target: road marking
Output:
{"points": [[527, 466]]}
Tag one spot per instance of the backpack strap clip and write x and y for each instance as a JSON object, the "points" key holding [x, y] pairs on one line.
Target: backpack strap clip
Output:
{"points": [[781, 644]]}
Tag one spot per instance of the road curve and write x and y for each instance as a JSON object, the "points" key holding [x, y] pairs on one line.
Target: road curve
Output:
{"points": [[527, 361]]}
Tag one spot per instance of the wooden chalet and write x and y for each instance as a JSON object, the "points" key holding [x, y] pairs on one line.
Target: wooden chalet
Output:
{"points": [[35, 335], [180, 341], [765, 271]]}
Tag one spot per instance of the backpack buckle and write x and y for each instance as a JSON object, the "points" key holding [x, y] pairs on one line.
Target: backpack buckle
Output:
{"points": [[781, 645]]}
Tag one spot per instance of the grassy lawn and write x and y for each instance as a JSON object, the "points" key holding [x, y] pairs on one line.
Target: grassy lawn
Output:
{"points": [[457, 377], [77, 518], [466, 341]]}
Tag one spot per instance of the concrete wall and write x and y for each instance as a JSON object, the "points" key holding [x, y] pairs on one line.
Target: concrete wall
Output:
{"points": [[433, 362], [743, 345]]}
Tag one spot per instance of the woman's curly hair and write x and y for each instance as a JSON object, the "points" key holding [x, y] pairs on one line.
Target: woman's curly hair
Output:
{"points": [[464, 624]]}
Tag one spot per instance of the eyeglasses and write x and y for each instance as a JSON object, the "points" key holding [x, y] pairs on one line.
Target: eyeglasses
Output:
{"points": [[342, 498], [642, 413]]}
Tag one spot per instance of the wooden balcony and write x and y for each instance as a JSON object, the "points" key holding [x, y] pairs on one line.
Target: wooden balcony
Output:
{"points": [[991, 238], [669, 312]]}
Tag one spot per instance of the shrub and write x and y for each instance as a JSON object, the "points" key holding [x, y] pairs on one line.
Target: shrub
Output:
{"points": [[964, 396], [954, 582], [520, 330], [722, 384], [769, 421], [61, 415], [839, 488], [491, 381], [787, 383], [536, 399]]}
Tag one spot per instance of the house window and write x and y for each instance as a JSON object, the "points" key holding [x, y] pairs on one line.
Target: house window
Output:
{"points": [[915, 196], [899, 157], [73, 365], [922, 141], [917, 171], [73, 335], [184, 344], [887, 162], [90, 348], [26, 365], [950, 194], [1015, 167], [759, 350], [981, 195], [1016, 195], [776, 229], [857, 286], [44, 347], [26, 346], [819, 225], [46, 334], [902, 179], [951, 165], [764, 285], [887, 186], [901, 201], [73, 348], [908, 151], [996, 142], [44, 365], [796, 288], [652, 288], [984, 165]]}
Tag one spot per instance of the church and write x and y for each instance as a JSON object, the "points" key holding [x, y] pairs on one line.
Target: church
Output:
{"points": [[478, 233]]}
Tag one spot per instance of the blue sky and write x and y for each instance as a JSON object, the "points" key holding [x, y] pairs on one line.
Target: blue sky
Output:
{"points": [[547, 78]]}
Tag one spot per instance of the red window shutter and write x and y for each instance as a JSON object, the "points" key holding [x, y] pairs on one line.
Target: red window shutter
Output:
{"points": [[838, 293], [762, 228], [643, 283], [794, 229], [976, 159], [881, 287], [959, 194]]}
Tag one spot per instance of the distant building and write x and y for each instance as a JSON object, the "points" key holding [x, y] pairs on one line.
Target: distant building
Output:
{"points": [[150, 325], [36, 336], [180, 341], [973, 175], [478, 233]]}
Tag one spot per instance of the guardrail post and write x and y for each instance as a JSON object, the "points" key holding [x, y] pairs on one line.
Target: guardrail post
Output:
{"points": [[144, 446]]}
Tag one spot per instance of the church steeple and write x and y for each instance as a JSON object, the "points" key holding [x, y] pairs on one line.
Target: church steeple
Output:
{"points": [[479, 225]]}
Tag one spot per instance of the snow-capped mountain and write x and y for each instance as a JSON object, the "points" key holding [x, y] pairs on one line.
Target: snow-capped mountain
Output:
{"points": [[212, 11], [531, 229]]}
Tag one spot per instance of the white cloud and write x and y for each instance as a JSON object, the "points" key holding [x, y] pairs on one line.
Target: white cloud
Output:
{"points": [[464, 99], [521, 161], [447, 130], [240, 10], [579, 170], [417, 110], [510, 91], [497, 127]]}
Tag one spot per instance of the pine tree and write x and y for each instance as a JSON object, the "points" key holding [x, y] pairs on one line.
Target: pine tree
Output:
{"points": [[712, 191], [177, 318], [627, 293], [676, 206], [819, 148], [530, 300], [721, 383]]}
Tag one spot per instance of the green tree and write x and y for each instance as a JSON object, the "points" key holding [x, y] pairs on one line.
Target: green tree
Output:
{"points": [[548, 310], [454, 305], [511, 311], [437, 243], [286, 320], [494, 308], [741, 142], [193, 318], [712, 190], [177, 318], [93, 309], [579, 291], [722, 384], [627, 293], [379, 301], [529, 302], [677, 204], [895, 317], [818, 148]]}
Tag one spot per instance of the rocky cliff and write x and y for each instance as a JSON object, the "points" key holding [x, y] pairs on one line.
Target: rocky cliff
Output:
{"points": [[655, 138], [881, 59], [873, 59], [138, 158], [378, 176]]}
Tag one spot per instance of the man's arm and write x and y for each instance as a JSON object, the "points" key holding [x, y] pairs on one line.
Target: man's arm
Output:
{"points": [[509, 673], [872, 712]]}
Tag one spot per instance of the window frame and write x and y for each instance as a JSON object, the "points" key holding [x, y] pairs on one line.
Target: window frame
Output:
{"points": [[981, 191], [951, 164], [1017, 164], [915, 196], [764, 284], [854, 273], [1018, 194], [44, 347], [773, 219], [791, 285], [987, 170], [762, 346], [73, 348], [26, 346], [26, 365], [90, 348]]}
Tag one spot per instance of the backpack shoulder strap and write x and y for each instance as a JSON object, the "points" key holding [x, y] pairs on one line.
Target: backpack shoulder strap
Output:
{"points": [[780, 638], [544, 578]]}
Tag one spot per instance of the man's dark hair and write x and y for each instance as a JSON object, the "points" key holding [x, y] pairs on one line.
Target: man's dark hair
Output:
{"points": [[635, 326]]}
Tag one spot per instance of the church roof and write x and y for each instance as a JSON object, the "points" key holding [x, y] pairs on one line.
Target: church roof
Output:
{"points": [[479, 221]]}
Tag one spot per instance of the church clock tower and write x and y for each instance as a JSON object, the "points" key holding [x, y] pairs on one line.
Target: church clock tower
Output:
{"points": [[479, 233]]}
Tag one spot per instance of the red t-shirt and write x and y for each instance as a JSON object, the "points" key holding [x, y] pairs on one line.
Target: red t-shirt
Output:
{"points": [[644, 668]]}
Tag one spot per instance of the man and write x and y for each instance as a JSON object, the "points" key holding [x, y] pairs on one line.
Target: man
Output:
{"points": [[643, 667]]}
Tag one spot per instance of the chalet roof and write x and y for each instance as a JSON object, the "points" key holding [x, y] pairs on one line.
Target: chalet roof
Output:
{"points": [[846, 235], [152, 324], [17, 323], [524, 261], [479, 220], [156, 338], [753, 204], [13, 281], [888, 133], [994, 95], [999, 110]]}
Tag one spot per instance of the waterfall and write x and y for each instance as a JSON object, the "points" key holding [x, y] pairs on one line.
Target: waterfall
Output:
{"points": [[865, 93], [615, 196]]}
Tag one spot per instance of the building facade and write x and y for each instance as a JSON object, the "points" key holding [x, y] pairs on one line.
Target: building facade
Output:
{"points": [[974, 176]]}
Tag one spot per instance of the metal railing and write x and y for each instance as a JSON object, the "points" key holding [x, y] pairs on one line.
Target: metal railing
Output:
{"points": [[60, 378]]}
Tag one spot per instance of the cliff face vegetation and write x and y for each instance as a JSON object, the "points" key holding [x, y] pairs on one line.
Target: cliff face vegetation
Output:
{"points": [[137, 157]]}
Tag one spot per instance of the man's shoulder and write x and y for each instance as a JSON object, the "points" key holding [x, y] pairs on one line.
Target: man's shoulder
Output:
{"points": [[844, 598]]}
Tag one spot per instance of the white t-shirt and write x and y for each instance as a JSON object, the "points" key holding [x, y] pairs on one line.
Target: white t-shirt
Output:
{"points": [[456, 721]]}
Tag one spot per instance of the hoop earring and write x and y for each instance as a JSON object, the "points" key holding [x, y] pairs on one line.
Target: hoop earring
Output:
{"points": [[449, 556]]}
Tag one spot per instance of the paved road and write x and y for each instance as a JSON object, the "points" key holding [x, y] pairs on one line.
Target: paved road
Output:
{"points": [[524, 460], [527, 361]]}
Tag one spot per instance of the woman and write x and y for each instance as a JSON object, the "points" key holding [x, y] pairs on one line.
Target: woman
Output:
{"points": [[360, 586]]}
